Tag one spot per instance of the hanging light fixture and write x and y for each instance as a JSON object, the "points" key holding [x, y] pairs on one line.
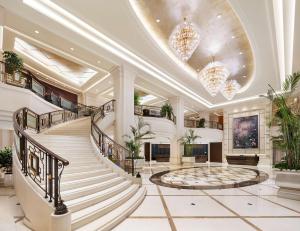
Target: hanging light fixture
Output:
{"points": [[184, 39], [213, 76], [230, 88]]}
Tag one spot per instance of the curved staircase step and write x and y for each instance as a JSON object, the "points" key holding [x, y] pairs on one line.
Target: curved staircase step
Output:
{"points": [[87, 181], [91, 213], [81, 175], [113, 218], [82, 191], [91, 199]]}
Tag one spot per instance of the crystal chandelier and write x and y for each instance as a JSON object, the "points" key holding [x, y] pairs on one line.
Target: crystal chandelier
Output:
{"points": [[213, 76], [184, 39], [230, 88]]}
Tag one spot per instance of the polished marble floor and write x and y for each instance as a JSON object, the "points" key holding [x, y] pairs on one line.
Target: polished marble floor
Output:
{"points": [[249, 208], [209, 177]]}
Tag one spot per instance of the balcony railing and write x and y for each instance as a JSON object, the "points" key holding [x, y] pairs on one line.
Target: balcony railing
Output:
{"points": [[109, 148], [26, 79], [44, 167], [208, 124], [151, 111]]}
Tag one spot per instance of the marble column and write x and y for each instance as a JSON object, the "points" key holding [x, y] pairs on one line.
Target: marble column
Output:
{"points": [[176, 150], [123, 78]]}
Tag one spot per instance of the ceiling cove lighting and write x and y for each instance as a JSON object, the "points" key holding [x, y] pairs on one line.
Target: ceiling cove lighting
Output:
{"points": [[230, 88], [184, 39], [63, 17], [213, 76]]}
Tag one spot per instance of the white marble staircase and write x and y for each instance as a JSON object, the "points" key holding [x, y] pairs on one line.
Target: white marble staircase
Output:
{"points": [[98, 197]]}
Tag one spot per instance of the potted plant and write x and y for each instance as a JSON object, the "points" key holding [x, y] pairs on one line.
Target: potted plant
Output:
{"points": [[13, 64], [6, 165], [201, 123], [135, 140], [187, 141], [166, 110], [137, 99], [287, 118]]}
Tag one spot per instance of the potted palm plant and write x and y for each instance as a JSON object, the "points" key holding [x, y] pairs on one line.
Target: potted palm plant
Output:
{"points": [[287, 118], [187, 141], [166, 111], [13, 65], [6, 165], [137, 99], [202, 123], [135, 140]]}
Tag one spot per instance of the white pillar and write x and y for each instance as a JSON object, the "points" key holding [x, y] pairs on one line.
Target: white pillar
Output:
{"points": [[2, 12], [124, 108], [176, 150]]}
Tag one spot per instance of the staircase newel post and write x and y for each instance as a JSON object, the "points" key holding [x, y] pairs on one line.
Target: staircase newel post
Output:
{"points": [[60, 207]]}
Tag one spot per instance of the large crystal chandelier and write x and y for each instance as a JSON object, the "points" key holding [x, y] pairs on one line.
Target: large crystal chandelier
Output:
{"points": [[230, 88], [213, 76], [184, 39]]}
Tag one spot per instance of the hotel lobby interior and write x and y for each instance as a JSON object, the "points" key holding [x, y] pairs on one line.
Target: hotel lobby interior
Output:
{"points": [[150, 115]]}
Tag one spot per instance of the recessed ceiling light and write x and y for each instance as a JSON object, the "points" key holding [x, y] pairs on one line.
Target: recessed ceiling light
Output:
{"points": [[71, 48], [219, 16], [241, 53], [98, 61], [244, 76], [232, 36], [244, 66], [36, 31], [157, 20]]}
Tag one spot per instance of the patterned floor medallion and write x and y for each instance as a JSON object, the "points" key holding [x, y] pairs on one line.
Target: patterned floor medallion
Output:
{"points": [[209, 177]]}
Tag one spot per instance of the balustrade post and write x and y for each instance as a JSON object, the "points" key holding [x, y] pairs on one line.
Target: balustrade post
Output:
{"points": [[22, 152], [38, 124], [50, 178], [24, 118], [49, 120]]}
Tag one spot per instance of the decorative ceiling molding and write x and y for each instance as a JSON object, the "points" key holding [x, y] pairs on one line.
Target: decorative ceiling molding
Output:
{"points": [[75, 24], [68, 70]]}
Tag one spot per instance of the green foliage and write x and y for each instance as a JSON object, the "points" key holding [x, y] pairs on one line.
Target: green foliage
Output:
{"points": [[288, 122], [6, 159], [166, 111], [139, 133], [202, 123], [137, 99], [187, 140], [13, 63]]}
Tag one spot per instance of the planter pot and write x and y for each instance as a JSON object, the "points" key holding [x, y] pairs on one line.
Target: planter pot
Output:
{"points": [[8, 179], [289, 185], [139, 163], [188, 160]]}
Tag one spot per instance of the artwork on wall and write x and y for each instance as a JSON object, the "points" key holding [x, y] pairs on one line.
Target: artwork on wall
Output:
{"points": [[245, 132]]}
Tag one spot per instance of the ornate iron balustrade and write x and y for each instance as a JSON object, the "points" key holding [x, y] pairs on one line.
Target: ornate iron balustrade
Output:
{"points": [[39, 163], [151, 111], [109, 148], [24, 81], [208, 124]]}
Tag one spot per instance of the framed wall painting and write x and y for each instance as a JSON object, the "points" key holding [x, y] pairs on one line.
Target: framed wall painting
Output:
{"points": [[245, 132]]}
